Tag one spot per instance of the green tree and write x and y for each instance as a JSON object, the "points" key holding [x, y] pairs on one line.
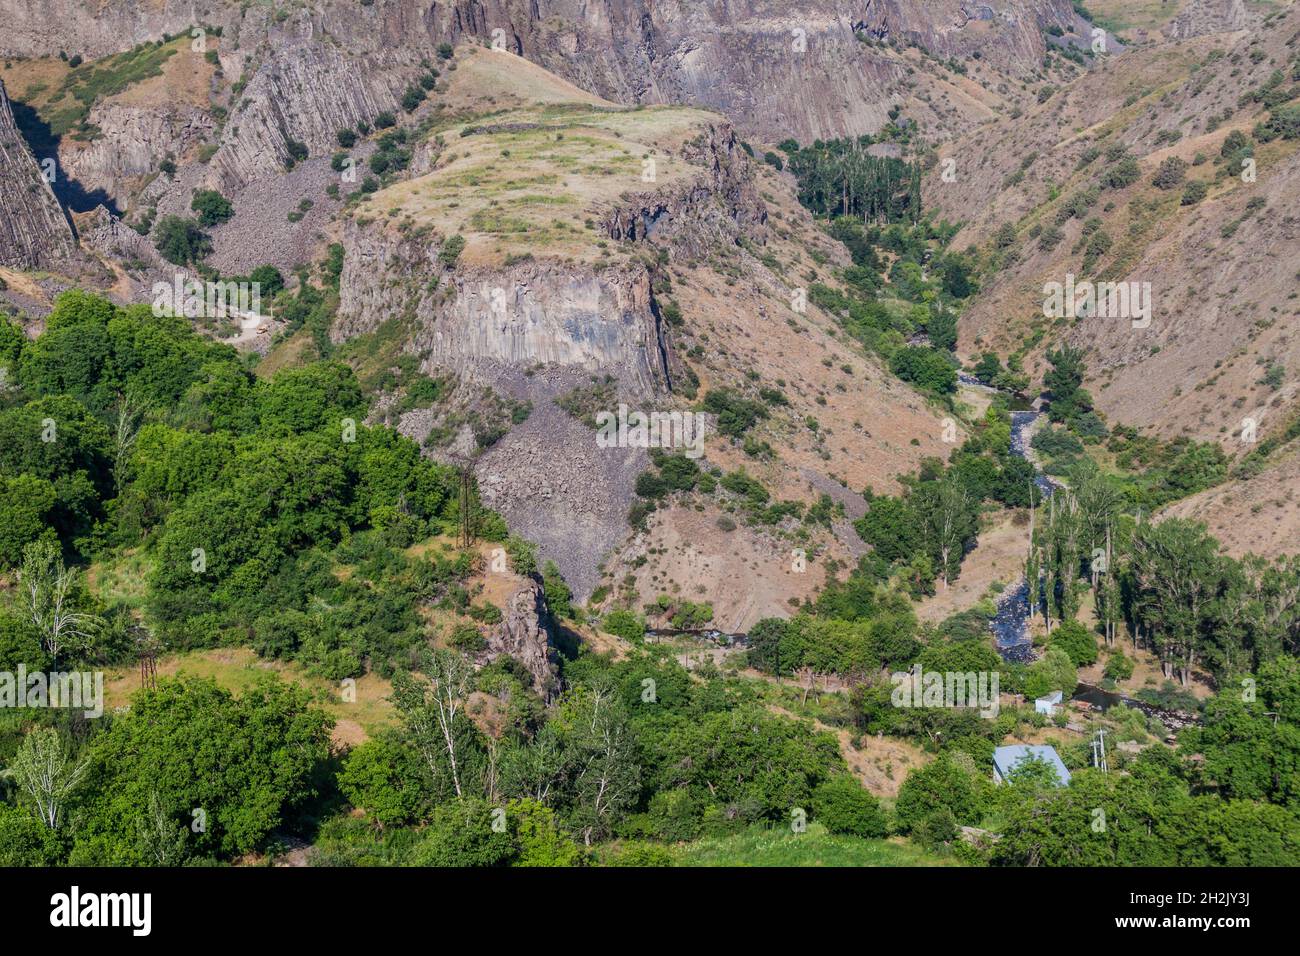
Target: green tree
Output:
{"points": [[212, 207], [843, 806], [1079, 643], [180, 241], [925, 368], [46, 773], [240, 765]]}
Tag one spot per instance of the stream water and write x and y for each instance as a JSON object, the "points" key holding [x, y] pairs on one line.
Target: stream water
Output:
{"points": [[1010, 625]]}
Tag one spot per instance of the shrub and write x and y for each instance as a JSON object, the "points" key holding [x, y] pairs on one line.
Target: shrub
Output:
{"points": [[1077, 641], [180, 241], [466, 637], [461, 835], [625, 624], [1194, 192], [843, 806], [1171, 172], [924, 368], [1118, 667], [451, 250], [1123, 173], [212, 207], [736, 415]]}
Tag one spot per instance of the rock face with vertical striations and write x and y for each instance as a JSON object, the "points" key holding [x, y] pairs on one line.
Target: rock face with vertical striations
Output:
{"points": [[522, 634], [34, 232], [778, 68], [1205, 17]]}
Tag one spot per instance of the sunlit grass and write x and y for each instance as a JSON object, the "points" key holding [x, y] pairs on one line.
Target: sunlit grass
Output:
{"points": [[815, 847]]}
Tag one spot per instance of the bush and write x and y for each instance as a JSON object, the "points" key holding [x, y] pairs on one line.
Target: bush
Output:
{"points": [[1123, 173], [212, 207], [625, 624], [383, 778], [466, 637], [460, 834], [736, 415], [347, 139], [1077, 641], [1194, 193], [1171, 173], [1118, 667], [843, 806], [925, 368], [180, 241], [451, 250], [936, 829], [268, 279], [412, 98]]}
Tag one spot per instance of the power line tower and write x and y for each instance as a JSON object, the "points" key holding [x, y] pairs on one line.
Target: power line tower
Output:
{"points": [[1099, 752], [147, 648], [467, 523]]}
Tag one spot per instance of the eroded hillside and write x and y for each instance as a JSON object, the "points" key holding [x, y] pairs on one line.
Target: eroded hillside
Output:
{"points": [[1167, 164]]}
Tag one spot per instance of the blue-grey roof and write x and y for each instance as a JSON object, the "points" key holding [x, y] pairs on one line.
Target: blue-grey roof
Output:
{"points": [[1005, 759]]}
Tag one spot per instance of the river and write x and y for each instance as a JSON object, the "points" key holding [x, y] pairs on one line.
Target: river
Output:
{"points": [[1010, 625]]}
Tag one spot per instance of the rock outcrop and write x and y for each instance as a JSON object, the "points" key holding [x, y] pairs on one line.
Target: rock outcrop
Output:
{"points": [[522, 634], [1203, 17], [34, 232], [477, 321], [132, 140]]}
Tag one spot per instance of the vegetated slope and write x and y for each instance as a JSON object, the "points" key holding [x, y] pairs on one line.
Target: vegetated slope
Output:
{"points": [[567, 253], [602, 219], [1174, 163]]}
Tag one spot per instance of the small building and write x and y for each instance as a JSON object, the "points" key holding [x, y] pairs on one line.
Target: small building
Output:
{"points": [[1006, 759], [1047, 705]]}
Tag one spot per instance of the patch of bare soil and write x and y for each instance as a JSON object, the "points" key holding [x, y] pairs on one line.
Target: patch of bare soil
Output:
{"points": [[998, 556], [746, 574], [880, 763]]}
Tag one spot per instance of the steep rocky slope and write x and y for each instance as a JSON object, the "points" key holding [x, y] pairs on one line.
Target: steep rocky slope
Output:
{"points": [[807, 69], [33, 230], [1221, 268], [577, 224]]}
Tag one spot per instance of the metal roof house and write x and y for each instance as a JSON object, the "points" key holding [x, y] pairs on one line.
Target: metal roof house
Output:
{"points": [[1047, 705], [1006, 759]]}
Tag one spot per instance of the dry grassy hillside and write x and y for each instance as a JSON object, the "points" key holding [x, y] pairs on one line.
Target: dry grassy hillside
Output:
{"points": [[1222, 346]]}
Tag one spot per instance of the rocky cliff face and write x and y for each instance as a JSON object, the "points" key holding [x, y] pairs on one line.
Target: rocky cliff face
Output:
{"points": [[778, 67], [33, 229], [132, 141], [1202, 17], [477, 321], [523, 635]]}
